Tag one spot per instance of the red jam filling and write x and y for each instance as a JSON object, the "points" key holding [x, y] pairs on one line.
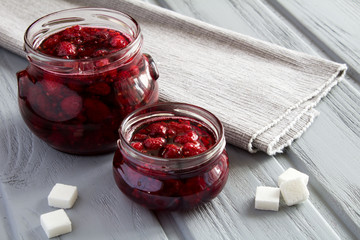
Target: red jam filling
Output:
{"points": [[172, 138], [174, 190], [83, 42], [81, 113]]}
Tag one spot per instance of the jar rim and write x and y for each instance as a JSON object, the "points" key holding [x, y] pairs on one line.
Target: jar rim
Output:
{"points": [[173, 163], [29, 45]]}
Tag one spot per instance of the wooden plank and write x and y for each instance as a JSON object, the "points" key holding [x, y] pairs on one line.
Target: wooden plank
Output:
{"points": [[253, 18], [30, 168], [5, 232], [265, 24], [332, 25], [330, 151], [232, 214]]}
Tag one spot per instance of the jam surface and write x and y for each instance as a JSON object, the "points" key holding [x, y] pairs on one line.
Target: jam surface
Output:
{"points": [[171, 190], [172, 138], [78, 42], [81, 113]]}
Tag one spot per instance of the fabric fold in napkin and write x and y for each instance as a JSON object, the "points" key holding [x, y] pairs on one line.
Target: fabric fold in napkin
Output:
{"points": [[264, 94]]}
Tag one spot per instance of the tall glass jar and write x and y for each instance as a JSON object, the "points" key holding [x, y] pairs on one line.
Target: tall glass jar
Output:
{"points": [[170, 183], [77, 105]]}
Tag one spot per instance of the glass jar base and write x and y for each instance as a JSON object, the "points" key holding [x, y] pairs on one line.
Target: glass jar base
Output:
{"points": [[170, 192]]}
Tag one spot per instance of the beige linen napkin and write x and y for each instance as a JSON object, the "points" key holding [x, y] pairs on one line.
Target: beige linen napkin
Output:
{"points": [[264, 94]]}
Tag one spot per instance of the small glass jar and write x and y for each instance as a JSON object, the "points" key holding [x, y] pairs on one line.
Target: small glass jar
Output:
{"points": [[77, 105], [170, 183]]}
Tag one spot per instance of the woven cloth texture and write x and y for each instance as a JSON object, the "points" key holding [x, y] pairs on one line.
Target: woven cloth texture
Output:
{"points": [[264, 94]]}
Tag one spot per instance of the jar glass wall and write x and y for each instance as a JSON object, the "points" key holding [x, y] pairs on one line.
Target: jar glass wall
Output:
{"points": [[77, 105], [170, 183]]}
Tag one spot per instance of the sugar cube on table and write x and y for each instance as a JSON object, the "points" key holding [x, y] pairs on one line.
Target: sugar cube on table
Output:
{"points": [[55, 223], [62, 196], [294, 191], [267, 198], [292, 173]]}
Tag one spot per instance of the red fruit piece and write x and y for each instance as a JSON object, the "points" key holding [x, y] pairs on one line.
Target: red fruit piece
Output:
{"points": [[46, 109], [188, 137], [100, 88], [102, 35], [197, 183], [96, 111], [70, 33], [52, 88], [76, 28], [192, 136], [192, 149], [139, 137], [170, 132], [66, 49], [118, 42], [193, 186], [137, 145], [207, 141], [172, 187], [157, 129], [71, 106], [180, 127], [185, 127], [100, 52], [102, 62], [171, 151], [134, 70], [33, 92], [51, 41], [77, 41], [124, 75], [154, 143], [86, 35], [76, 86]]}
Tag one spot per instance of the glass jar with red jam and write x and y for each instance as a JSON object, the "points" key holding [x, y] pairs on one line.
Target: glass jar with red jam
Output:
{"points": [[171, 156], [86, 72]]}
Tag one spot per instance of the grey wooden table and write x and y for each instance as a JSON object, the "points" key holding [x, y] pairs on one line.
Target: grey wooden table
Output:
{"points": [[329, 152]]}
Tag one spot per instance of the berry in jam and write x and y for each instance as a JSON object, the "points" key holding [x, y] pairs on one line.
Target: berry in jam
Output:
{"points": [[172, 138], [79, 111], [78, 42], [171, 163]]}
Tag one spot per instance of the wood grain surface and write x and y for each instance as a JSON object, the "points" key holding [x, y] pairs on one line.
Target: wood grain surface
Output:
{"points": [[332, 25], [329, 151]]}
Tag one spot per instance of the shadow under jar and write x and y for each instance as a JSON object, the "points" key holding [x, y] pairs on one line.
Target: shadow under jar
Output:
{"points": [[171, 156], [86, 72]]}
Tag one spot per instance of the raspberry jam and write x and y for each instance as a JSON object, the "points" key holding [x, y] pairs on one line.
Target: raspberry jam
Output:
{"points": [[78, 42], [172, 138], [85, 74], [171, 156]]}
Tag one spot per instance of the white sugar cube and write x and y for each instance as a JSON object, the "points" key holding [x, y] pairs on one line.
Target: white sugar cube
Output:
{"points": [[62, 196], [55, 223], [292, 173], [294, 191], [267, 198]]}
